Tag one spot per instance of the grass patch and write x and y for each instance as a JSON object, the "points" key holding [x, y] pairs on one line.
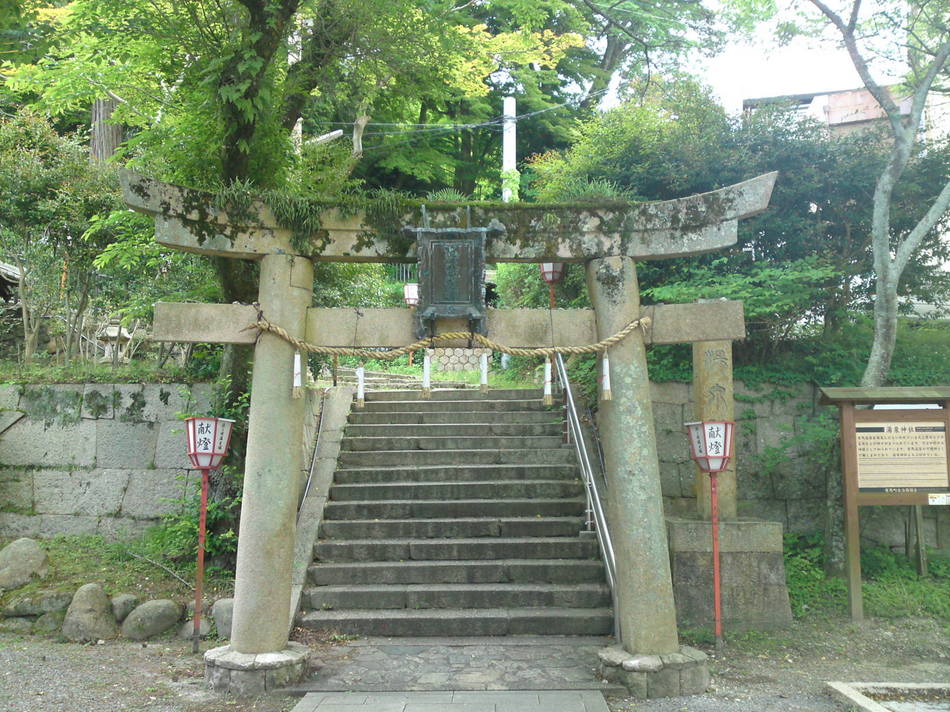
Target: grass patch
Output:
{"points": [[78, 560], [81, 371], [891, 587]]}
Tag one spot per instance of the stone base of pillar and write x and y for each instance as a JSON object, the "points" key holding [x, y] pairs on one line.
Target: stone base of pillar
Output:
{"points": [[754, 593], [244, 674], [649, 676]]}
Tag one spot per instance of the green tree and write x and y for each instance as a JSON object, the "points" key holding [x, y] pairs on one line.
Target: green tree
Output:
{"points": [[917, 36], [49, 194], [807, 259]]}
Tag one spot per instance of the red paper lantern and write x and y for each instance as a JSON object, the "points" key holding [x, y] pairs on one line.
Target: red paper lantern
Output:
{"points": [[551, 272], [710, 443], [208, 440]]}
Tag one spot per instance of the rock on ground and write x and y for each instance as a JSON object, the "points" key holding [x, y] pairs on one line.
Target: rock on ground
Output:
{"points": [[151, 618], [38, 603], [187, 629], [123, 604], [89, 616], [223, 611], [20, 562], [49, 622], [16, 625]]}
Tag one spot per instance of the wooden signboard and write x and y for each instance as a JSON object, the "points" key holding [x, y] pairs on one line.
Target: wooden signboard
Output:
{"points": [[892, 456]]}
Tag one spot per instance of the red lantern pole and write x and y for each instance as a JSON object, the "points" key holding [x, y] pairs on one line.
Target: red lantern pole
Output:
{"points": [[711, 446], [200, 574], [717, 587], [207, 441], [551, 303]]}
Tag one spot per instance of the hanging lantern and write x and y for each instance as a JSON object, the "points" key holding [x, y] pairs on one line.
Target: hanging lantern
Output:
{"points": [[710, 443], [208, 440], [410, 294], [552, 272]]}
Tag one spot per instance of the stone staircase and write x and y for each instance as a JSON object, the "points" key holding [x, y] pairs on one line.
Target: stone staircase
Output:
{"points": [[456, 516]]}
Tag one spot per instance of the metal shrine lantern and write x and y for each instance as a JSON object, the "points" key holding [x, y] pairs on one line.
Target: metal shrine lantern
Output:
{"points": [[410, 294], [451, 277], [208, 440], [710, 444]]}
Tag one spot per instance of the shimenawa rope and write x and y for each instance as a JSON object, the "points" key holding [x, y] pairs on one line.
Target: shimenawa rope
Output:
{"points": [[263, 325]]}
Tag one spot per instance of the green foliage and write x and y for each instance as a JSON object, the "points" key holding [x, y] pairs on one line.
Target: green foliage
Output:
{"points": [[892, 589], [175, 539]]}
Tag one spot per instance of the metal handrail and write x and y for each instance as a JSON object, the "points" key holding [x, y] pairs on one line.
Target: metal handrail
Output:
{"points": [[595, 515]]}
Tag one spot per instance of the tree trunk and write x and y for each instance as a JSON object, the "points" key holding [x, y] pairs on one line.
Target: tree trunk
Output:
{"points": [[885, 330], [104, 136]]}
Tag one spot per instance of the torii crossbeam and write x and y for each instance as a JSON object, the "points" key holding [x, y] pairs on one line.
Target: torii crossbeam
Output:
{"points": [[608, 237]]}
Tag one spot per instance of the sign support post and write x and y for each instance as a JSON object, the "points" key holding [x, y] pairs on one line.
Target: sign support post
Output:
{"points": [[894, 455]]}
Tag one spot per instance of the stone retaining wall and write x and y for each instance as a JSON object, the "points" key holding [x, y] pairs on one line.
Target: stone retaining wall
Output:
{"points": [[93, 459], [791, 491], [106, 459]]}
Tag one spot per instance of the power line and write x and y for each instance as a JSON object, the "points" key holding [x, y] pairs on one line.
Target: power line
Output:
{"points": [[438, 129]]}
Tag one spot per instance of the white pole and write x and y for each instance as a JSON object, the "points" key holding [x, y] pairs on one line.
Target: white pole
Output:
{"points": [[360, 387], [426, 376], [548, 396], [483, 364], [509, 158], [298, 376]]}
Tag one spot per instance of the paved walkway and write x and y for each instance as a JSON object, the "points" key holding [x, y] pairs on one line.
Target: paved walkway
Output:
{"points": [[448, 664], [465, 701], [516, 674]]}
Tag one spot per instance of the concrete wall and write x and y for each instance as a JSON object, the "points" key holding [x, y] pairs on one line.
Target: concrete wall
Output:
{"points": [[93, 459], [792, 492]]}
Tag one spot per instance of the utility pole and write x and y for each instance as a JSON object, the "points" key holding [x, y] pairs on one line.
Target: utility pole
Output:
{"points": [[509, 158]]}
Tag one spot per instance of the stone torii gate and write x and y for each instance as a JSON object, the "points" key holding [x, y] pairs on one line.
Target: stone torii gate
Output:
{"points": [[608, 238]]}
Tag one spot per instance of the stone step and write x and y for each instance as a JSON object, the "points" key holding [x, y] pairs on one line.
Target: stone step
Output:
{"points": [[455, 549], [424, 442], [464, 622], [443, 491], [442, 394], [416, 385], [360, 417], [479, 403], [451, 528], [457, 572], [394, 458], [455, 473], [423, 596], [455, 430], [406, 509]]}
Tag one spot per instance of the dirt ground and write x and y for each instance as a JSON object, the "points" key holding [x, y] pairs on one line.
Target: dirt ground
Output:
{"points": [[782, 671]]}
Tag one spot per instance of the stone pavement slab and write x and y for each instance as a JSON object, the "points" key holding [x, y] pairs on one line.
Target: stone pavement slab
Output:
{"points": [[455, 701], [459, 664]]}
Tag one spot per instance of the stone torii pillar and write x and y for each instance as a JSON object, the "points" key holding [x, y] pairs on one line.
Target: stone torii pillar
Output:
{"points": [[608, 237]]}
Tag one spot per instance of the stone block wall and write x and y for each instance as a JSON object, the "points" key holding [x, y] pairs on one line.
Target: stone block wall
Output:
{"points": [[791, 490], [101, 458], [93, 459], [457, 359]]}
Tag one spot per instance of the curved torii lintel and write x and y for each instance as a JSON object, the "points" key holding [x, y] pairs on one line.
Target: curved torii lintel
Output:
{"points": [[186, 219]]}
